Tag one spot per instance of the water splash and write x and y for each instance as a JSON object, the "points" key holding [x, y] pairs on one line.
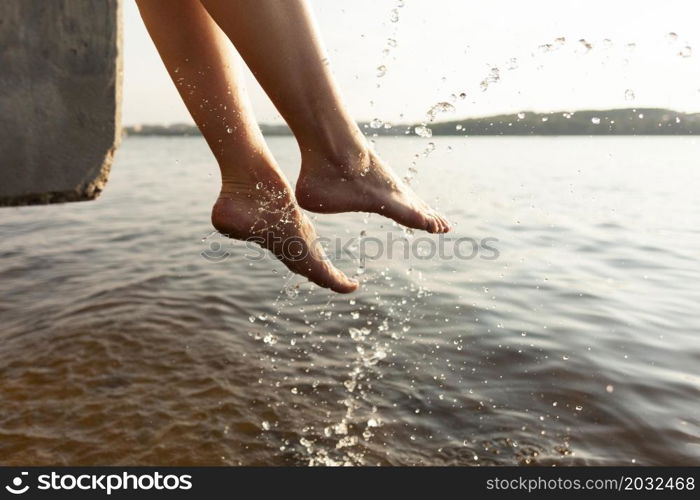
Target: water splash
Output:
{"points": [[493, 77], [391, 42], [423, 131], [427, 150], [376, 123], [686, 51], [440, 107]]}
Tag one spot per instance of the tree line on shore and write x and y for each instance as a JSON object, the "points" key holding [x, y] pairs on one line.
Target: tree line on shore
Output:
{"points": [[631, 121]]}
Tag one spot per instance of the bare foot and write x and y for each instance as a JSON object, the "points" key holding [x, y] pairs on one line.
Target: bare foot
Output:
{"points": [[264, 211], [361, 182]]}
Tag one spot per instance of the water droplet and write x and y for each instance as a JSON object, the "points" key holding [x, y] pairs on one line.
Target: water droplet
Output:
{"points": [[376, 123], [381, 71], [294, 390], [686, 51], [229, 130], [609, 388], [521, 115], [629, 95], [266, 425], [358, 333], [394, 16], [391, 42], [441, 107], [259, 185], [512, 64], [672, 36], [251, 319], [423, 131], [579, 408], [493, 77], [595, 120]]}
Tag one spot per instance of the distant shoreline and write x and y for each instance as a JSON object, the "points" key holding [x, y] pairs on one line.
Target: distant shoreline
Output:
{"points": [[631, 121]]}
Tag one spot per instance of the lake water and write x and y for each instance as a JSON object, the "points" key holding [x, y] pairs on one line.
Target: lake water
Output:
{"points": [[133, 335]]}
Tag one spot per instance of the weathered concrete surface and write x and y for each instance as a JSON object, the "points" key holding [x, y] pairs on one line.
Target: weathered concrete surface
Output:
{"points": [[60, 92]]}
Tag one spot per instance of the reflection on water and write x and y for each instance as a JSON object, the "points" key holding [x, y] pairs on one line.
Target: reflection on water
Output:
{"points": [[121, 344]]}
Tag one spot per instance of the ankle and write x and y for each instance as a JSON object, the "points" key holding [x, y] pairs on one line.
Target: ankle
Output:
{"points": [[348, 157], [254, 182]]}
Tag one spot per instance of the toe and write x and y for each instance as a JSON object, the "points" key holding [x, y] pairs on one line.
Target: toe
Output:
{"points": [[445, 225], [440, 224], [327, 276], [448, 226], [339, 282], [345, 285], [431, 225]]}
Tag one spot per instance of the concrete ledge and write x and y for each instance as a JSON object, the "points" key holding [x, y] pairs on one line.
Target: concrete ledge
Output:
{"points": [[60, 93]]}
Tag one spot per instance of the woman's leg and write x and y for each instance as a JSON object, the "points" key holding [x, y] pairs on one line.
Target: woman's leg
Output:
{"points": [[256, 201], [279, 42]]}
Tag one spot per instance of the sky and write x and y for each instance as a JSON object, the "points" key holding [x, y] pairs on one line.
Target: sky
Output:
{"points": [[504, 56]]}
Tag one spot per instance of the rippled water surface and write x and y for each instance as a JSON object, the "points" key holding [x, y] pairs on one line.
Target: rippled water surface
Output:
{"points": [[121, 344]]}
